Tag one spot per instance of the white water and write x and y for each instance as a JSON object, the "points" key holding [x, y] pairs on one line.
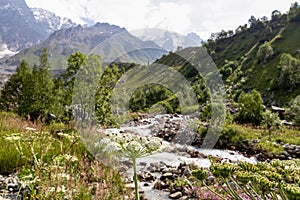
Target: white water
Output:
{"points": [[173, 154]]}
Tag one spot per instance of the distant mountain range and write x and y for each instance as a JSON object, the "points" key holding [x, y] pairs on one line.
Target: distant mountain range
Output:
{"points": [[49, 21], [25, 31], [22, 27], [115, 44], [168, 40]]}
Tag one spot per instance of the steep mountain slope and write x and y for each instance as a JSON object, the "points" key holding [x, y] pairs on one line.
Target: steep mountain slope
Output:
{"points": [[254, 67], [110, 41], [22, 27], [256, 57], [18, 27], [49, 21]]}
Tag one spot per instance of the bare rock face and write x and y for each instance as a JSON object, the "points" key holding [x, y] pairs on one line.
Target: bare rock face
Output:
{"points": [[22, 27]]}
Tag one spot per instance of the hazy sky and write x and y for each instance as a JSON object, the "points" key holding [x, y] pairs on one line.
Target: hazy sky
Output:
{"points": [[182, 16]]}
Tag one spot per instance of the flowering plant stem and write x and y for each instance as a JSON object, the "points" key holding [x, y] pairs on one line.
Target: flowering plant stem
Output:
{"points": [[223, 198], [244, 189], [137, 196]]}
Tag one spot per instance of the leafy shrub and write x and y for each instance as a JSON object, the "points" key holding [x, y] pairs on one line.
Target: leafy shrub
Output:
{"points": [[289, 76], [265, 51], [296, 110], [271, 121], [250, 108]]}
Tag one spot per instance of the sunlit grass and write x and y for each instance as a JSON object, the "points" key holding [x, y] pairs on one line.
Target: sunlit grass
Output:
{"points": [[45, 156]]}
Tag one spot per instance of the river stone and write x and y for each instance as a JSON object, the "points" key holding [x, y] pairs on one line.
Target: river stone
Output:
{"points": [[183, 198], [146, 177], [210, 180], [127, 163], [143, 163], [166, 175], [160, 185], [286, 154], [176, 195], [146, 184], [129, 185], [187, 172]]}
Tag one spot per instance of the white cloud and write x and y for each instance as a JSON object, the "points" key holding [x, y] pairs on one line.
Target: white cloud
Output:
{"points": [[169, 15], [182, 16]]}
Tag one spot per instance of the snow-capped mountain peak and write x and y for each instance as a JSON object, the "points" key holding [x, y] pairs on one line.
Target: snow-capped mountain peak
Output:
{"points": [[50, 20]]}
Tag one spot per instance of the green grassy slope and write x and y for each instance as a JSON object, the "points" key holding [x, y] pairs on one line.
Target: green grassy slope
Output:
{"points": [[282, 32]]}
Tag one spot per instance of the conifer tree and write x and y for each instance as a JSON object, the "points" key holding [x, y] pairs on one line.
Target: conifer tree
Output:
{"points": [[17, 89]]}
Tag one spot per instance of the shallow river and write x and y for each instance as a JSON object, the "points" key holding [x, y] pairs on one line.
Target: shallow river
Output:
{"points": [[172, 153]]}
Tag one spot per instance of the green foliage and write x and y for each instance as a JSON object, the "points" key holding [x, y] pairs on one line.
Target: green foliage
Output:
{"points": [[289, 76], [250, 108], [66, 81], [58, 168], [146, 97], [35, 93], [16, 91], [54, 166], [258, 49], [275, 180], [296, 110], [103, 94], [234, 134], [31, 92], [266, 145], [265, 51], [271, 121], [294, 12], [228, 68]]}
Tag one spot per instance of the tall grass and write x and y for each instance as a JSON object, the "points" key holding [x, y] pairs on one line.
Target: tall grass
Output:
{"points": [[54, 165]]}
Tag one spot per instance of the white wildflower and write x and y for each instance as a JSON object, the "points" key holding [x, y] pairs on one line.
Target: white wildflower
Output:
{"points": [[71, 158], [30, 129], [13, 138], [51, 189], [133, 147], [61, 189], [153, 143]]}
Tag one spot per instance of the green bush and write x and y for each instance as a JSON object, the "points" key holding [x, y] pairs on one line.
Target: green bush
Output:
{"points": [[265, 51], [296, 110], [271, 121], [289, 76], [250, 108]]}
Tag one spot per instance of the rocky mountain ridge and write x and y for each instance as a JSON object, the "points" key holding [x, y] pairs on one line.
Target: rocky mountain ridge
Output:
{"points": [[21, 27]]}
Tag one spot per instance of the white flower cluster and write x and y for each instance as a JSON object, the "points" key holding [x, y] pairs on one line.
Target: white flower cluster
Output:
{"points": [[13, 137], [130, 145], [62, 159]]}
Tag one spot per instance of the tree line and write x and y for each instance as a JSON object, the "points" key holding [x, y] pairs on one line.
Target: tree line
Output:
{"points": [[35, 93]]}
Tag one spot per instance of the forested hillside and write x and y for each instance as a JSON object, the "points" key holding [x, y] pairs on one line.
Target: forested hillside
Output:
{"points": [[263, 55]]}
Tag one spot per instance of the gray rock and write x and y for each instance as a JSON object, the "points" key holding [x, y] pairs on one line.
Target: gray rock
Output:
{"points": [[143, 163], [160, 185], [166, 175], [176, 195], [183, 198], [210, 180], [187, 172]]}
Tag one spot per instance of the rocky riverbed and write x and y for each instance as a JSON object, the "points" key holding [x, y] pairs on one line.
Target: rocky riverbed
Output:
{"points": [[10, 187], [181, 150], [176, 157]]}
